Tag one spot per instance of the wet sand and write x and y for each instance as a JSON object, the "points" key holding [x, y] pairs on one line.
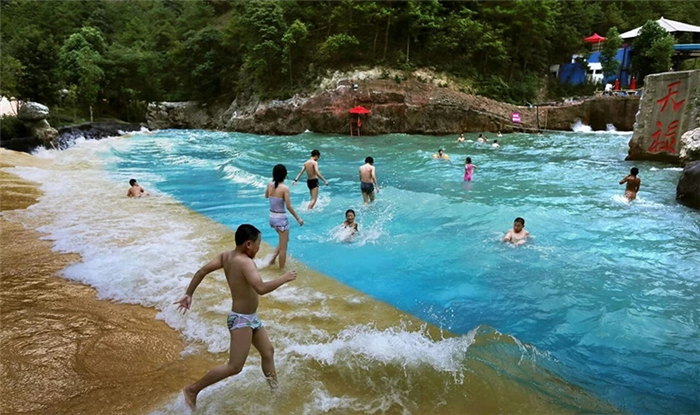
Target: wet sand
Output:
{"points": [[62, 350]]}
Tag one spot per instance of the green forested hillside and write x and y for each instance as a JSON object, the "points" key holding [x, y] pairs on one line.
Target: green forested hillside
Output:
{"points": [[115, 54]]}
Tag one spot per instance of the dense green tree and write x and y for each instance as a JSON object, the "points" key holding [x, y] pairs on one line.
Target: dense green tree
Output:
{"points": [[80, 61], [10, 73], [213, 49], [296, 33], [260, 28], [608, 54], [38, 55], [653, 48]]}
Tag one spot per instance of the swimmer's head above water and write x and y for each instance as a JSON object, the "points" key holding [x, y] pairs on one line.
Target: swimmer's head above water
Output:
{"points": [[518, 224], [350, 215]]}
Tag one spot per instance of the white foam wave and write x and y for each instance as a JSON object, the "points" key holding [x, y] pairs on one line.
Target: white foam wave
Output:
{"points": [[356, 345], [239, 176], [580, 127], [321, 203], [295, 295]]}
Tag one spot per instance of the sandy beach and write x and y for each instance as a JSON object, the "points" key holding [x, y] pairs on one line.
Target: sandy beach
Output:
{"points": [[63, 350]]}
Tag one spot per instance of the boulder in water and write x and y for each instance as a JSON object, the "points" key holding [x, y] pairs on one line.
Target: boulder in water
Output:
{"points": [[688, 190], [690, 146]]}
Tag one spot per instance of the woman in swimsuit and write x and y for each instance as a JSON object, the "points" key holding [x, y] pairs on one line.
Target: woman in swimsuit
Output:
{"points": [[278, 194], [468, 169]]}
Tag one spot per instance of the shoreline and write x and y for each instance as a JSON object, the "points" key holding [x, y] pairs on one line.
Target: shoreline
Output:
{"points": [[97, 354], [65, 351]]}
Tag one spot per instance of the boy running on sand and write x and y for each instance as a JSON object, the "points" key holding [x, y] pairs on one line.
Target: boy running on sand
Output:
{"points": [[312, 175], [243, 323]]}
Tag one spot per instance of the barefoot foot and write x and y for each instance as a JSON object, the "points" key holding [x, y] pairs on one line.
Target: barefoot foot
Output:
{"points": [[190, 398]]}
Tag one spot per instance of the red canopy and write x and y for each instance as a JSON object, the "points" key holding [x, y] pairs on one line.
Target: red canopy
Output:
{"points": [[359, 110], [595, 38]]}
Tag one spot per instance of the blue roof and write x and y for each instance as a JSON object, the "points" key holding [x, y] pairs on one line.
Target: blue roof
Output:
{"points": [[687, 46]]}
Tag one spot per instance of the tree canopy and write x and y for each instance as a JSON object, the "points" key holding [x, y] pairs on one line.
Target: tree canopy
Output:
{"points": [[115, 53]]}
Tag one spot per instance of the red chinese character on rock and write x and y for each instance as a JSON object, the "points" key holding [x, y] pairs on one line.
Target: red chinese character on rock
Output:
{"points": [[669, 143], [668, 96]]}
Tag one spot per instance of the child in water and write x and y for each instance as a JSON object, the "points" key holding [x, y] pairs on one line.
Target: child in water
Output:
{"points": [[468, 169], [350, 223], [517, 235], [633, 183]]}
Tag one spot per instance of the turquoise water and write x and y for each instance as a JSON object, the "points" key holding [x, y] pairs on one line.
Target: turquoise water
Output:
{"points": [[607, 288]]}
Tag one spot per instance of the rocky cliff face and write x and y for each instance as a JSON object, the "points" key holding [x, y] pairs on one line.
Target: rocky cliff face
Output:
{"points": [[414, 106], [688, 190], [670, 107]]}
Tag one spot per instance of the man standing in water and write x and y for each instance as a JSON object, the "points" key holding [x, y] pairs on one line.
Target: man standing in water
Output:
{"points": [[368, 180], [633, 183], [312, 175], [243, 323]]}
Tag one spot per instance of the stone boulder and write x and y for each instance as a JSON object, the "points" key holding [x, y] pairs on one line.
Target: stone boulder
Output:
{"points": [[34, 116], [33, 111], [43, 131], [690, 146], [670, 106], [688, 190]]}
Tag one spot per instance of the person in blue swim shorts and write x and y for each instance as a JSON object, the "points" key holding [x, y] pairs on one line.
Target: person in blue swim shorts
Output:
{"points": [[243, 323], [368, 180]]}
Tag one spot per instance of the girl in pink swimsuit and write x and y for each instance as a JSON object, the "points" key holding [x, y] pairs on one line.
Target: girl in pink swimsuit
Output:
{"points": [[468, 170]]}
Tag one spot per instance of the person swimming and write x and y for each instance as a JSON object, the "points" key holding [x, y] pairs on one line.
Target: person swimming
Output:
{"points": [[441, 155], [136, 190], [518, 235], [350, 224], [461, 138], [468, 169]]}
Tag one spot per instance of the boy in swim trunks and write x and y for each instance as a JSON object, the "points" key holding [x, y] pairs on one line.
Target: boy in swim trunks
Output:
{"points": [[517, 235], [312, 175], [243, 323], [633, 183], [368, 180]]}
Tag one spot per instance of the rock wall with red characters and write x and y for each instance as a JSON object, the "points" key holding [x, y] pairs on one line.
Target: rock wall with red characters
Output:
{"points": [[669, 108]]}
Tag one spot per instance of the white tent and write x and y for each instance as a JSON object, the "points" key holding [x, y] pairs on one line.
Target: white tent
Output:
{"points": [[668, 25]]}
